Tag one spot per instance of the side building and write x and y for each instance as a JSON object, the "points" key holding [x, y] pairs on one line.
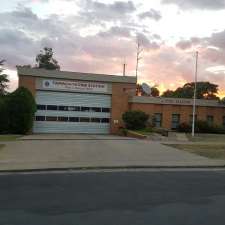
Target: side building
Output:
{"points": [[73, 102]]}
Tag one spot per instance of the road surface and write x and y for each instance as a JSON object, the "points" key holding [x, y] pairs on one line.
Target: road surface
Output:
{"points": [[113, 198]]}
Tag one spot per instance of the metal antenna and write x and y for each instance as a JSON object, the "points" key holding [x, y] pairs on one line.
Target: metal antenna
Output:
{"points": [[195, 90], [124, 67], [139, 51]]}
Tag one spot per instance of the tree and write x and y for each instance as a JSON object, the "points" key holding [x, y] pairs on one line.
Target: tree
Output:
{"points": [[155, 91], [21, 108], [3, 80], [45, 60], [223, 100], [205, 90]]}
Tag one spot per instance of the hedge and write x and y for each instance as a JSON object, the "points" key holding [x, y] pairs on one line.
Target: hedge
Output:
{"points": [[135, 119], [17, 112]]}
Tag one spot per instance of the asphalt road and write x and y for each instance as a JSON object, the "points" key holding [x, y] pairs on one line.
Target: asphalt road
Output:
{"points": [[113, 198]]}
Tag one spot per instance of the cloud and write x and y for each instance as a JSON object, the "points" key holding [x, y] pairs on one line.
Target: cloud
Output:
{"points": [[151, 14], [197, 4]]}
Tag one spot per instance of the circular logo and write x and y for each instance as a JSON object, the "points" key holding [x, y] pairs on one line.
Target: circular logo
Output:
{"points": [[47, 83]]}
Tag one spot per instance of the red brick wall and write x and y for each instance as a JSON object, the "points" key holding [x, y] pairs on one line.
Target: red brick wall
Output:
{"points": [[184, 111], [120, 95], [28, 82]]}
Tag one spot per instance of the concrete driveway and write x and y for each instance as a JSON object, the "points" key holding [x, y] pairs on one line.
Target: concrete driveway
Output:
{"points": [[101, 151]]}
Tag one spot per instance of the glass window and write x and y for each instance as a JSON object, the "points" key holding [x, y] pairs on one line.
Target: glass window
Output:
{"points": [[105, 120], [95, 109], [62, 119], [210, 119], [73, 108], [84, 119], [157, 119], [51, 118], [74, 119], [175, 121], [63, 108], [41, 107], [224, 121], [95, 120], [106, 110], [40, 118], [85, 109], [52, 107]]}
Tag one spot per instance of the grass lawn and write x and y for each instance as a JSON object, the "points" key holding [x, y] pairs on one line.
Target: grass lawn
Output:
{"points": [[207, 138], [9, 137], [213, 151], [145, 131]]}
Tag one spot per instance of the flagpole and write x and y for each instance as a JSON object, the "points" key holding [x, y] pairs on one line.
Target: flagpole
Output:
{"points": [[194, 100]]}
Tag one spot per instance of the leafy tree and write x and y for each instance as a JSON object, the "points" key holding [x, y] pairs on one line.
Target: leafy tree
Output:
{"points": [[135, 119], [45, 60], [155, 92], [205, 90], [223, 100], [3, 79], [4, 116], [21, 108]]}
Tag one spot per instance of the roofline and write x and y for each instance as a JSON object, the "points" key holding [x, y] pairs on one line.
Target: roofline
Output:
{"points": [[36, 72], [175, 101]]}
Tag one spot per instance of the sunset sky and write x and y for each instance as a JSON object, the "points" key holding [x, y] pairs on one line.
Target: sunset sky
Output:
{"points": [[97, 36]]}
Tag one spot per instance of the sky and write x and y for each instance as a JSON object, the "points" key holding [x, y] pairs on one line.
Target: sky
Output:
{"points": [[98, 36]]}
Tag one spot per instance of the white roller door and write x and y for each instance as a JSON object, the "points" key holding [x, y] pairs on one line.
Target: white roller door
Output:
{"points": [[60, 112]]}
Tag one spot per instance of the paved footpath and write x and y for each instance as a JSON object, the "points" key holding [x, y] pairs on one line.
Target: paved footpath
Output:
{"points": [[96, 153]]}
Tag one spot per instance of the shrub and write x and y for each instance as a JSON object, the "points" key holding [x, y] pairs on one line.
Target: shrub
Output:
{"points": [[21, 109], [4, 116], [184, 127], [135, 120]]}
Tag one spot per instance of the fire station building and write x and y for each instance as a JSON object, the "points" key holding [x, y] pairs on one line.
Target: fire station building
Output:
{"points": [[74, 102]]}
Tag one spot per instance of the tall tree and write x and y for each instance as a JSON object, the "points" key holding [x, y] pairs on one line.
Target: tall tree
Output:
{"points": [[205, 90], [45, 60], [3, 79]]}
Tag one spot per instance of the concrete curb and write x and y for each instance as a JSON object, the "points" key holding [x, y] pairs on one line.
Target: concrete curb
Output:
{"points": [[109, 168]]}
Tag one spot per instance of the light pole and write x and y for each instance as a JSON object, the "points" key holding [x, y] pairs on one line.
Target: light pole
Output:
{"points": [[194, 100]]}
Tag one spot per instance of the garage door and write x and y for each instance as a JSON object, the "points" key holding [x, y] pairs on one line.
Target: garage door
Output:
{"points": [[60, 112]]}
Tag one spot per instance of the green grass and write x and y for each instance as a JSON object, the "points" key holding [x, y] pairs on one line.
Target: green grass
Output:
{"points": [[9, 137], [213, 151], [145, 131], [207, 138]]}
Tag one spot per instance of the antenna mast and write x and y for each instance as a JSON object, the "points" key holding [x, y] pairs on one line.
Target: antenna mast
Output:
{"points": [[139, 51]]}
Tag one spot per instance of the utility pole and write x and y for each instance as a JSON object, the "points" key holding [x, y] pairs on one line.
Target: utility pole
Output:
{"points": [[139, 51], [194, 100]]}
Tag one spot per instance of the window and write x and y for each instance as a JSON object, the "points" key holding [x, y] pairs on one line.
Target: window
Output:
{"points": [[210, 119], [106, 110], [84, 119], [175, 121], [95, 120], [51, 118], [85, 109], [41, 107], [62, 119], [63, 108], [95, 109], [40, 118], [105, 120], [73, 108], [74, 119], [157, 120], [52, 107], [224, 121]]}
